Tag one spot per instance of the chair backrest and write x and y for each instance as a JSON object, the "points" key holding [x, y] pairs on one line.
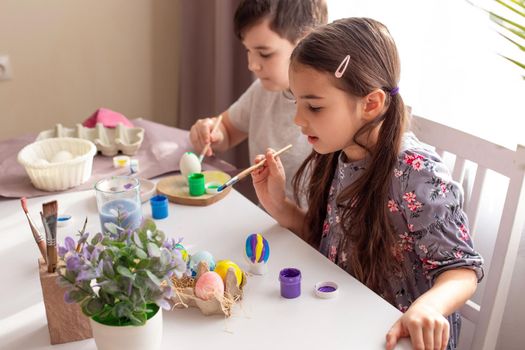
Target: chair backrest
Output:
{"points": [[488, 156]]}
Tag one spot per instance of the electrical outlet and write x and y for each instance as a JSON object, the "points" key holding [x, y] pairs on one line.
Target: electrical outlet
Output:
{"points": [[5, 68]]}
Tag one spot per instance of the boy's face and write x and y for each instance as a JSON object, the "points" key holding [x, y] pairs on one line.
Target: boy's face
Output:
{"points": [[268, 55], [328, 116]]}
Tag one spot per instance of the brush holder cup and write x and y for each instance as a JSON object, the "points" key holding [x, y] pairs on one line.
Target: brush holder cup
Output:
{"points": [[118, 202], [66, 322]]}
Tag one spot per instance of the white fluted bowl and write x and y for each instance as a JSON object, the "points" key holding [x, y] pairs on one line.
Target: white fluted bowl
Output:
{"points": [[56, 176]]}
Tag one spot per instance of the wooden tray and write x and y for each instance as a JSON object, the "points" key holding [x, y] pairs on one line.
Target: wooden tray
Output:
{"points": [[177, 191]]}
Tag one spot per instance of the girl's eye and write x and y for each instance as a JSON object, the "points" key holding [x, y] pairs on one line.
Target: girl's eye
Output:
{"points": [[265, 55], [314, 109]]}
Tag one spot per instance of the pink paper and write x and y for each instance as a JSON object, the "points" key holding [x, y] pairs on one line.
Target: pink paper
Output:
{"points": [[108, 118]]}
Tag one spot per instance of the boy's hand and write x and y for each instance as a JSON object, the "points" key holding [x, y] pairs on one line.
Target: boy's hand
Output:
{"points": [[269, 182], [200, 135], [426, 327]]}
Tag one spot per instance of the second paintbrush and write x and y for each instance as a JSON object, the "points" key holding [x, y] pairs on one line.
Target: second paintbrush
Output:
{"points": [[247, 171]]}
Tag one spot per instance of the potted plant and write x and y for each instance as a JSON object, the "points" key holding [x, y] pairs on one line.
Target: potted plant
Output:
{"points": [[122, 280]]}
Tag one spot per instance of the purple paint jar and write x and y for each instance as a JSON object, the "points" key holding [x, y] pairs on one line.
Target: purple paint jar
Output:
{"points": [[290, 279]]}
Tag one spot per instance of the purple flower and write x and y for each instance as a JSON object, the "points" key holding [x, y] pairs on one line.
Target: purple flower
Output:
{"points": [[62, 251], [69, 243], [163, 304], [73, 263], [94, 255]]}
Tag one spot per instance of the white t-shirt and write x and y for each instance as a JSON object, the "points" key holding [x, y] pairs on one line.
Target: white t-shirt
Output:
{"points": [[267, 117]]}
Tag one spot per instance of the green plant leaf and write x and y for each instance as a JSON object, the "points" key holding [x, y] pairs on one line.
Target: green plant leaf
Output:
{"points": [[149, 225], [153, 250], [521, 47], [153, 278], [512, 8], [92, 306], [519, 64], [138, 318], [124, 271], [78, 295], [137, 240], [518, 29], [141, 254]]}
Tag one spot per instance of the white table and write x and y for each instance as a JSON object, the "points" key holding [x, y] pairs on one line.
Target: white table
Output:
{"points": [[357, 319]]}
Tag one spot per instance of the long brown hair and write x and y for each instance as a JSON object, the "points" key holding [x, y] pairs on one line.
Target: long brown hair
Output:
{"points": [[374, 64]]}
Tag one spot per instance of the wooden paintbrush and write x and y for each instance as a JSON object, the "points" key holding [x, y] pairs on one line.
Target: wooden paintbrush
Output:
{"points": [[205, 149], [247, 171], [79, 245], [49, 218], [39, 238]]}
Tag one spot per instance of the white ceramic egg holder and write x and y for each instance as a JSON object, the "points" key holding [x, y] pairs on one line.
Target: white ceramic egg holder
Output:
{"points": [[109, 141], [185, 297]]}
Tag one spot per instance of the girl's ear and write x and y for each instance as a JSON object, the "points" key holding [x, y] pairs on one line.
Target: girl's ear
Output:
{"points": [[374, 104]]}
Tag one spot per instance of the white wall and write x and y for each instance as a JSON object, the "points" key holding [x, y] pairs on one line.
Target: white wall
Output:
{"points": [[451, 71], [71, 57]]}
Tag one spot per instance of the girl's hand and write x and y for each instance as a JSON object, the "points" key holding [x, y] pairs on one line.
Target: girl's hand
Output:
{"points": [[426, 327], [200, 135], [269, 182]]}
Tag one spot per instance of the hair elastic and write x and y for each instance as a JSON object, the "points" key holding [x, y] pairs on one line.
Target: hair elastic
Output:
{"points": [[342, 67], [394, 91]]}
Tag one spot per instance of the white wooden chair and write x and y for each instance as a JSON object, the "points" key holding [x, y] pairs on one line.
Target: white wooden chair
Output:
{"points": [[487, 315]]}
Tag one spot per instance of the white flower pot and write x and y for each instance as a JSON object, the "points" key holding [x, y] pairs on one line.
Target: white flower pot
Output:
{"points": [[148, 336]]}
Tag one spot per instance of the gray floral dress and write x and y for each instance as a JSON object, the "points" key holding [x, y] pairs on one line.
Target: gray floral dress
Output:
{"points": [[425, 210]]}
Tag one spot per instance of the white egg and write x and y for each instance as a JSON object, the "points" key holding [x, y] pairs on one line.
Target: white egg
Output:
{"points": [[61, 156], [189, 163], [41, 162]]}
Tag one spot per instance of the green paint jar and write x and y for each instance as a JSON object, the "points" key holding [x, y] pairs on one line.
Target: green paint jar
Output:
{"points": [[196, 183]]}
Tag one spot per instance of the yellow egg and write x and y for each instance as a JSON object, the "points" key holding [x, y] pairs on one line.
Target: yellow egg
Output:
{"points": [[222, 268]]}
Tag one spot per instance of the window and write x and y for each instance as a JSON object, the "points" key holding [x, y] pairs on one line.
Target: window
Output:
{"points": [[450, 68]]}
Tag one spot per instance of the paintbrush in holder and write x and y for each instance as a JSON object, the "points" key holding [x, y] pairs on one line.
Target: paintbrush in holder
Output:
{"points": [[49, 219], [39, 238]]}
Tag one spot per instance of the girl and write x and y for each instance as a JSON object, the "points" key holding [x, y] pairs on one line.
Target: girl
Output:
{"points": [[380, 204]]}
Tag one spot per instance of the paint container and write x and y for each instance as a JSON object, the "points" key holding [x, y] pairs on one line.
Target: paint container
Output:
{"points": [[134, 166], [326, 290], [159, 207], [121, 161], [64, 220], [196, 184], [290, 279], [212, 187]]}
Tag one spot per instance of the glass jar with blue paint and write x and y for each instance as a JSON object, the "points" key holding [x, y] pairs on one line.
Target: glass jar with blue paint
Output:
{"points": [[118, 202]]}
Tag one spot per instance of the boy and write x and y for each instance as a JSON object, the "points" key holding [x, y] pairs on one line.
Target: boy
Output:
{"points": [[269, 30]]}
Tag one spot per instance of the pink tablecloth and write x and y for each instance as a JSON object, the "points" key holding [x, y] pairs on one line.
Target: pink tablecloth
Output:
{"points": [[159, 154]]}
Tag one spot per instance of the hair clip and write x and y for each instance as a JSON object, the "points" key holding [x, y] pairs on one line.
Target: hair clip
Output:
{"points": [[342, 67]]}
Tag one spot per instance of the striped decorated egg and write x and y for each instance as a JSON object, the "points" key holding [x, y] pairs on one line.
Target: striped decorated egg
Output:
{"points": [[257, 248]]}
